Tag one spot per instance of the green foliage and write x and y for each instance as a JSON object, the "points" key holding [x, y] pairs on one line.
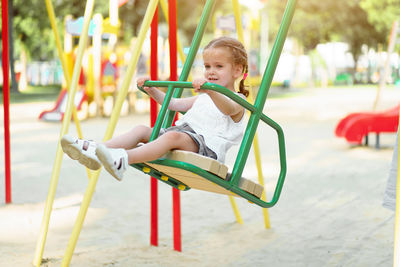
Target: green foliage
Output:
{"points": [[355, 29], [318, 21], [310, 23], [30, 28], [188, 16], [31, 25], [131, 15], [382, 13], [357, 22], [189, 13]]}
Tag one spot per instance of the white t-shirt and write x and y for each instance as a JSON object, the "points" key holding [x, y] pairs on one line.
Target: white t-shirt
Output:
{"points": [[220, 132]]}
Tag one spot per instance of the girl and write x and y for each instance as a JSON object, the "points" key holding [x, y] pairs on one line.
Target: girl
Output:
{"points": [[211, 125]]}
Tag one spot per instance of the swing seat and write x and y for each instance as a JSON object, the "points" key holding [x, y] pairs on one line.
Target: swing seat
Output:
{"points": [[186, 174], [187, 179], [185, 170]]}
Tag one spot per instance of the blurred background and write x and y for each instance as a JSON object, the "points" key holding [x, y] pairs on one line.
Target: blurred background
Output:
{"points": [[337, 57], [341, 42]]}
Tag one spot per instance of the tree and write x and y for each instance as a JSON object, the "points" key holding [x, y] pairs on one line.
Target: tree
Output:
{"points": [[382, 13], [354, 28], [318, 21], [31, 25], [14, 83], [31, 29], [188, 16], [311, 23]]}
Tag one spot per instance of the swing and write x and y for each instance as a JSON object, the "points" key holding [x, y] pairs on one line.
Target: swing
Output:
{"points": [[184, 170]]}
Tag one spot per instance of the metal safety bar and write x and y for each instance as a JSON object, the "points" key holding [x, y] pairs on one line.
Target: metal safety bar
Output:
{"points": [[232, 184], [175, 90]]}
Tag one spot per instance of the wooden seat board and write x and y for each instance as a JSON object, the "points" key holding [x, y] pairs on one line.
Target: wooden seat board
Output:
{"points": [[205, 163], [191, 179], [197, 182]]}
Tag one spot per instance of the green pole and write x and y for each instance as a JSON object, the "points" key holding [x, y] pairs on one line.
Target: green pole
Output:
{"points": [[262, 93], [205, 16]]}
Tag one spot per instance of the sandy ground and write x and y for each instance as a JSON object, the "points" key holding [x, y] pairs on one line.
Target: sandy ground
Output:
{"points": [[329, 214]]}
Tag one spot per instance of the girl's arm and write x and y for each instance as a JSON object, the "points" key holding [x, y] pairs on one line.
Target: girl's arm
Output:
{"points": [[226, 105], [176, 104]]}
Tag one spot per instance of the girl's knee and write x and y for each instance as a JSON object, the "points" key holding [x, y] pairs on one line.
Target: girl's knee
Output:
{"points": [[141, 128], [179, 140], [172, 136], [176, 138], [143, 132]]}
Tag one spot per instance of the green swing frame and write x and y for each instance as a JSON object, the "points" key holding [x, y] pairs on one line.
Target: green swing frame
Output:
{"points": [[175, 89]]}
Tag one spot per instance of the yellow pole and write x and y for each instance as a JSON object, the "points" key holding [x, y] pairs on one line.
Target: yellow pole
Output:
{"points": [[131, 68], [64, 128], [396, 252], [261, 179], [386, 67], [67, 75], [98, 20], [239, 29], [64, 64], [110, 129]]}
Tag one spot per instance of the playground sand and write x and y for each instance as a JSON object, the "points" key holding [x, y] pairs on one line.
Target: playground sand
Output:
{"points": [[329, 213]]}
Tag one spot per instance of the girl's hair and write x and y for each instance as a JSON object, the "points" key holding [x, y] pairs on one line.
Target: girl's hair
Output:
{"points": [[239, 55]]}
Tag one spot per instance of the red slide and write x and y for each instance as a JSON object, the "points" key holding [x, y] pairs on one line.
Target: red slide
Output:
{"points": [[355, 126], [57, 112]]}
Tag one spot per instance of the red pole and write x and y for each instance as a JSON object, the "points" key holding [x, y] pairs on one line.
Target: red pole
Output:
{"points": [[173, 77], [153, 118], [6, 97]]}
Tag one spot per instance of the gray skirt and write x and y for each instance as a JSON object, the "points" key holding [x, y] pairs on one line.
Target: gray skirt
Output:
{"points": [[204, 150]]}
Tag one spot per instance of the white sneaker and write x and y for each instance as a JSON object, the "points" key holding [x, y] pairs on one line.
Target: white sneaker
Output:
{"points": [[82, 150], [115, 160]]}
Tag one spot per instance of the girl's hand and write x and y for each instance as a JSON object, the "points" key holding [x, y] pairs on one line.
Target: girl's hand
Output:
{"points": [[197, 83], [153, 92], [140, 81]]}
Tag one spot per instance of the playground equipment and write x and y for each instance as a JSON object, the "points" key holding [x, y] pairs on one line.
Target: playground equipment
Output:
{"points": [[6, 99], [232, 182], [98, 76], [356, 126], [80, 102], [71, 28], [57, 112], [248, 33], [256, 115]]}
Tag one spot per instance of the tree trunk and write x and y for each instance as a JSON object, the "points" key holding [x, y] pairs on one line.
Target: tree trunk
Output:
{"points": [[354, 72], [14, 84]]}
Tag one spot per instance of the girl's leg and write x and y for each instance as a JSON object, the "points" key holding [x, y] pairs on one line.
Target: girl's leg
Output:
{"points": [[155, 149], [83, 151], [116, 160], [131, 138]]}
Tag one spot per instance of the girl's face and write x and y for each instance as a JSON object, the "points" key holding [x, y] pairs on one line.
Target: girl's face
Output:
{"points": [[219, 67]]}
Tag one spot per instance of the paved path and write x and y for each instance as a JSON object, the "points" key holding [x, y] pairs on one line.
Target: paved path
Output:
{"points": [[329, 213]]}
